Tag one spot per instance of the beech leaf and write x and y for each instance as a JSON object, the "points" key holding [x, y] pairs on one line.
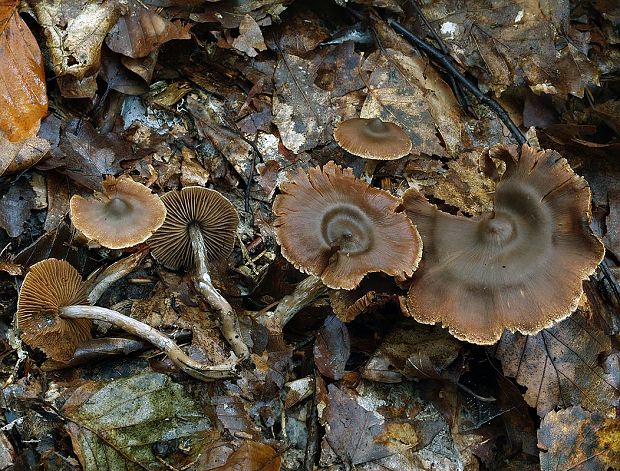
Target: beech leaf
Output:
{"points": [[23, 97]]}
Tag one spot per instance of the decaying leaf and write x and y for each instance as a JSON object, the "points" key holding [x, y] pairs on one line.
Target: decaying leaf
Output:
{"points": [[332, 348], [74, 32], [417, 351], [560, 366], [301, 110], [352, 431], [574, 438], [253, 456], [15, 207], [517, 43], [250, 38], [141, 30], [23, 95], [86, 156], [124, 422], [21, 155]]}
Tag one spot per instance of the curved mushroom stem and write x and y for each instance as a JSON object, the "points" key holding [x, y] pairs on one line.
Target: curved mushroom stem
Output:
{"points": [[155, 337], [305, 292], [112, 274], [229, 323]]}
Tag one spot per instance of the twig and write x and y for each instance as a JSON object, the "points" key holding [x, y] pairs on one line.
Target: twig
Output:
{"points": [[456, 87], [446, 62]]}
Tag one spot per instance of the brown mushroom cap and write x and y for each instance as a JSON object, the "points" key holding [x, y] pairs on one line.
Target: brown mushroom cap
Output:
{"points": [[520, 267], [215, 216], [125, 214], [335, 226], [48, 286], [372, 139]]}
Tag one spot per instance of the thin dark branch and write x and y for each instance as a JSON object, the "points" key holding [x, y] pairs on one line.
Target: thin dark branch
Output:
{"points": [[456, 86], [446, 62]]}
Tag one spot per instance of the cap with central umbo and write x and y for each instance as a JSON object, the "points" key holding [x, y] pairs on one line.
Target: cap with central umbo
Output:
{"points": [[520, 267], [338, 227]]}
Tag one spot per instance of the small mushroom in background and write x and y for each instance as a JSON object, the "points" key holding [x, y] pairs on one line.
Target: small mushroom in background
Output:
{"points": [[125, 214], [339, 228], [54, 316], [519, 267], [199, 229], [373, 139]]}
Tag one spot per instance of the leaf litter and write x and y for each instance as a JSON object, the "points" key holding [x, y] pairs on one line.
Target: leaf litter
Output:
{"points": [[238, 97]]}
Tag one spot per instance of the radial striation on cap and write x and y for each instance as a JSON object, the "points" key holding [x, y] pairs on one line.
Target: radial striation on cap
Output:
{"points": [[520, 267], [48, 286], [372, 139], [124, 215], [338, 227], [216, 217]]}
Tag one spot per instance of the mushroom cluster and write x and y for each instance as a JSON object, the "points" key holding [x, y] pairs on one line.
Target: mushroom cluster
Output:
{"points": [[54, 316], [519, 267]]}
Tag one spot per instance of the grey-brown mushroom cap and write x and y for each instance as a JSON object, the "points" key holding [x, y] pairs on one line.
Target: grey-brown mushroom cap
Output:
{"points": [[339, 228], [216, 217], [125, 214], [520, 267], [372, 139], [48, 286]]}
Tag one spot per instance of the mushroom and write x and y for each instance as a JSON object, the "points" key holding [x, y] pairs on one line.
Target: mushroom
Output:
{"points": [[372, 139], [200, 229], [54, 316], [125, 214], [519, 267], [339, 228]]}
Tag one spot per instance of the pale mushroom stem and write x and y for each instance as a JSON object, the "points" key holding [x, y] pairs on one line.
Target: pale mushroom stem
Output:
{"points": [[305, 292], [148, 333], [229, 323]]}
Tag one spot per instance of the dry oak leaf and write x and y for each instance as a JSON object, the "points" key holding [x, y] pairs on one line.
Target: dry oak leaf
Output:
{"points": [[23, 97]]}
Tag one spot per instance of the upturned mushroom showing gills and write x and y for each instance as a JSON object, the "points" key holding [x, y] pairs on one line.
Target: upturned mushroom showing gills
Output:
{"points": [[372, 139], [125, 214], [339, 228], [53, 315], [200, 229], [519, 267]]}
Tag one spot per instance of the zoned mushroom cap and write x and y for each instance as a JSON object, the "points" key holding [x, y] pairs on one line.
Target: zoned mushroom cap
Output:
{"points": [[372, 139], [338, 227], [125, 214], [216, 217], [519, 267], [48, 286]]}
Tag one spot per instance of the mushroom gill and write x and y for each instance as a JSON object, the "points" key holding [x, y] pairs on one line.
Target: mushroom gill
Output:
{"points": [[519, 267]]}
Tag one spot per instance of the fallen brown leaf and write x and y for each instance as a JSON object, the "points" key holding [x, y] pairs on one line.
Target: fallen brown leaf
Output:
{"points": [[23, 96]]}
